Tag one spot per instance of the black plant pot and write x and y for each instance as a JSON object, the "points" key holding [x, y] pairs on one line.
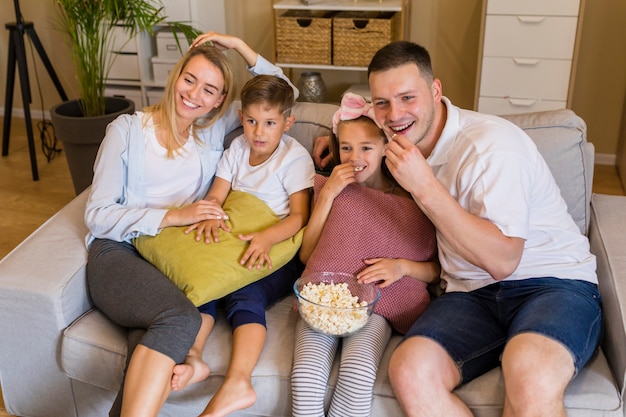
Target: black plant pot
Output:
{"points": [[81, 136]]}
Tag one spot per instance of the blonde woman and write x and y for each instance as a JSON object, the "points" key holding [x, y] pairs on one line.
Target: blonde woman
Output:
{"points": [[163, 157]]}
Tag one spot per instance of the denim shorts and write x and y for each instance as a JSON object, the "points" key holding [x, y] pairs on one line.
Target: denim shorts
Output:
{"points": [[474, 327]]}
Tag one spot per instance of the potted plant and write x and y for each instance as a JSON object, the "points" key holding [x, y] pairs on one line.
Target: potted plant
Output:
{"points": [[80, 124]]}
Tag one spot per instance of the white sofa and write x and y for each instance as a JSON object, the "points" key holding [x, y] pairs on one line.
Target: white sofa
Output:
{"points": [[61, 358]]}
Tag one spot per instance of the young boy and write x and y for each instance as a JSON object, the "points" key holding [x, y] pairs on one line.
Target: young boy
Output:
{"points": [[266, 162]]}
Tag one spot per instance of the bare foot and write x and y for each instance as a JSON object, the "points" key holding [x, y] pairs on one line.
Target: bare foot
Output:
{"points": [[192, 371], [233, 395]]}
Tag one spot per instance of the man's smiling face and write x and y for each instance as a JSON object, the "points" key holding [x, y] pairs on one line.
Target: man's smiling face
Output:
{"points": [[404, 102]]}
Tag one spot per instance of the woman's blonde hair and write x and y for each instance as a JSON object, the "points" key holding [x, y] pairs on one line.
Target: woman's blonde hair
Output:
{"points": [[165, 109]]}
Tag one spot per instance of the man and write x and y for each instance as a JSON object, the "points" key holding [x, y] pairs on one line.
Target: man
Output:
{"points": [[521, 289]]}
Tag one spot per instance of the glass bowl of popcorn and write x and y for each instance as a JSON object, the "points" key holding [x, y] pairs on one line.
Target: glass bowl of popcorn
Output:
{"points": [[334, 303]]}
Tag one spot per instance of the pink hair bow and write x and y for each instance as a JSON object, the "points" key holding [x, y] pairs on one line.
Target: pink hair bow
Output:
{"points": [[352, 107]]}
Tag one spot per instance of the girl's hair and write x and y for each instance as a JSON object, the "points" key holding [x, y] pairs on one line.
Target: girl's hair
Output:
{"points": [[399, 53], [334, 146], [166, 107], [270, 90]]}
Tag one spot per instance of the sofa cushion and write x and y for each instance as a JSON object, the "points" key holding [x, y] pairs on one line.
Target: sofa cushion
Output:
{"points": [[93, 350], [561, 137]]}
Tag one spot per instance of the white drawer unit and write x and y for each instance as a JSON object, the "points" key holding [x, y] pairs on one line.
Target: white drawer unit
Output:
{"points": [[527, 53]]}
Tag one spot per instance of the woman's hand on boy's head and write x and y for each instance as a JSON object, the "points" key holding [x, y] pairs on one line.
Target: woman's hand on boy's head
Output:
{"points": [[219, 40]]}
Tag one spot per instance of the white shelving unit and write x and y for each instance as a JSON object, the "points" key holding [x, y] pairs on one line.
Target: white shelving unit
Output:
{"points": [[132, 74], [399, 6], [527, 55]]}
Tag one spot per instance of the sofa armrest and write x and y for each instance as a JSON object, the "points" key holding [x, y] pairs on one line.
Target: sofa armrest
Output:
{"points": [[608, 242], [42, 290]]}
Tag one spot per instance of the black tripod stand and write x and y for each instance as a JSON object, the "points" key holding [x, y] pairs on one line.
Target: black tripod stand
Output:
{"points": [[17, 57]]}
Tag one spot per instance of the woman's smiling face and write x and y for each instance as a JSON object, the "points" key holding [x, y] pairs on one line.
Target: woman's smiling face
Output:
{"points": [[199, 89]]}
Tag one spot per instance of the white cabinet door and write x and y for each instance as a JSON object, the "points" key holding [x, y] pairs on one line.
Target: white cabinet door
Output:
{"points": [[530, 36], [525, 77]]}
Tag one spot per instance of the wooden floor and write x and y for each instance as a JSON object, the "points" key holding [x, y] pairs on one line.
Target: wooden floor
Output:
{"points": [[606, 180], [26, 204]]}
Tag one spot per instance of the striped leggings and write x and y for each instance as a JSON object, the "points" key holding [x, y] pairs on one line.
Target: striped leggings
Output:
{"points": [[313, 359]]}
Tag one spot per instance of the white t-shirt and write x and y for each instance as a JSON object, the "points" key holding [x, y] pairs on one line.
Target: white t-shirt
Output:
{"points": [[494, 170], [288, 170]]}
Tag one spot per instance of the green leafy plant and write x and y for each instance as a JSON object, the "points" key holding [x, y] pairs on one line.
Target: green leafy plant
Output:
{"points": [[88, 26]]}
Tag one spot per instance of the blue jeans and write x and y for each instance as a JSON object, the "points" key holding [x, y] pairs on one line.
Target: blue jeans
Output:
{"points": [[474, 327]]}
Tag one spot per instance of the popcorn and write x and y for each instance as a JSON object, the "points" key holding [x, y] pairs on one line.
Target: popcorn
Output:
{"points": [[345, 315]]}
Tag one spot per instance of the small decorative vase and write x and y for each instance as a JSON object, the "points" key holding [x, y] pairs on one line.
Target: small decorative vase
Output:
{"points": [[312, 87]]}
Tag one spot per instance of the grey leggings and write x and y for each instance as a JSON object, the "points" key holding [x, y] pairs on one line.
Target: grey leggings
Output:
{"points": [[360, 356], [133, 293]]}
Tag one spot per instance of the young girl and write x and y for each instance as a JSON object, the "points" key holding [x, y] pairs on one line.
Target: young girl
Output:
{"points": [[361, 223]]}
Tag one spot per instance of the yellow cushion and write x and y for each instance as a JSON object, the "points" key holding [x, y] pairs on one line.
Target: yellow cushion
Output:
{"points": [[206, 272]]}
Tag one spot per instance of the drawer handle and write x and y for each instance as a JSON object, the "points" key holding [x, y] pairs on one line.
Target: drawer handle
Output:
{"points": [[526, 61], [531, 19], [519, 102]]}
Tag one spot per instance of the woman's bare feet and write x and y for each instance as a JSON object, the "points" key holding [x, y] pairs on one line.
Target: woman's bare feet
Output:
{"points": [[233, 395], [193, 370]]}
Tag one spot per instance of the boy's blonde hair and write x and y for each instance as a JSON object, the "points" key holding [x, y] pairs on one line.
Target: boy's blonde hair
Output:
{"points": [[268, 89]]}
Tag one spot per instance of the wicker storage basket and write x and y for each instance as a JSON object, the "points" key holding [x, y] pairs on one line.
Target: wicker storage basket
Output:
{"points": [[358, 35], [304, 37]]}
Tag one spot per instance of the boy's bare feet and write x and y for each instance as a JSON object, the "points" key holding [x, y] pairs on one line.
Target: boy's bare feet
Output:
{"points": [[193, 370], [233, 395]]}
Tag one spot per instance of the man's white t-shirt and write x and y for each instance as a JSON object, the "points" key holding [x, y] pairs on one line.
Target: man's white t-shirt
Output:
{"points": [[495, 171]]}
